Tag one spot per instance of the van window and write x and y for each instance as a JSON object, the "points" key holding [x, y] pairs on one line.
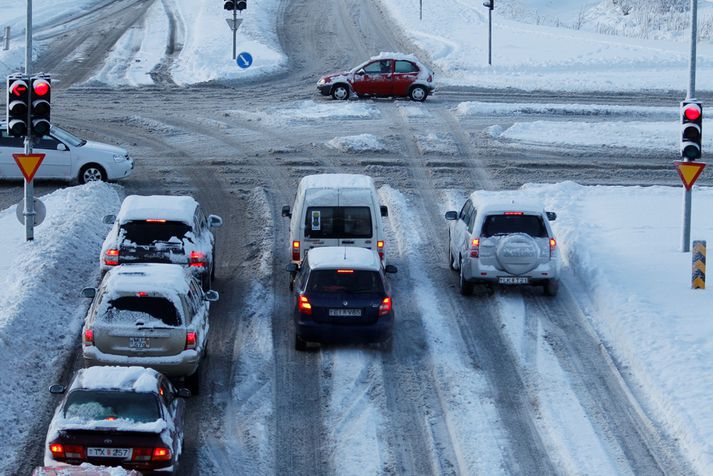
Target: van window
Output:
{"points": [[354, 282], [507, 224], [338, 222]]}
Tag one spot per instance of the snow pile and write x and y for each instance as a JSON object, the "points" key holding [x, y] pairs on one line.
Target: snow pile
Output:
{"points": [[311, 111], [40, 301], [475, 108], [357, 144], [436, 143]]}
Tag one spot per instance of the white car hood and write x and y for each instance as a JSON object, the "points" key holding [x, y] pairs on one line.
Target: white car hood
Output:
{"points": [[102, 147]]}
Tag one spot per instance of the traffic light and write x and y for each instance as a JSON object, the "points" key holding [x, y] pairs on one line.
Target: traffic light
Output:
{"points": [[40, 113], [241, 5], [18, 96], [229, 5], [490, 4], [691, 129]]}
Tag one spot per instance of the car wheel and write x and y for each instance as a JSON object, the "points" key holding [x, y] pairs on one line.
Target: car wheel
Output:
{"points": [[300, 344], [551, 287], [92, 173], [418, 93], [340, 92], [465, 287], [206, 281], [193, 382], [451, 261], [212, 267]]}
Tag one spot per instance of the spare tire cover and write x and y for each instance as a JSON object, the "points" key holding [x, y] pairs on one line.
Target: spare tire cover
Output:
{"points": [[518, 253]]}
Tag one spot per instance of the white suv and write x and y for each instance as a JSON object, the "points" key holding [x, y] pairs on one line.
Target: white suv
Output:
{"points": [[502, 242]]}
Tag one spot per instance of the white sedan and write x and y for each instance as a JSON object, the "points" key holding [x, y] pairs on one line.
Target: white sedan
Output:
{"points": [[67, 157]]}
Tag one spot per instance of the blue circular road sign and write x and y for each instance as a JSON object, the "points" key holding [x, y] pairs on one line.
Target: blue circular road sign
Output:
{"points": [[244, 60]]}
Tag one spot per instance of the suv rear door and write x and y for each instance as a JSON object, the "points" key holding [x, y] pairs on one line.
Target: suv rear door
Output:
{"points": [[153, 240], [139, 325], [514, 242]]}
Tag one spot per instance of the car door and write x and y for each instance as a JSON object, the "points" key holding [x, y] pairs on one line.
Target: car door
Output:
{"points": [[405, 73], [460, 236], [9, 145], [57, 163], [376, 79]]}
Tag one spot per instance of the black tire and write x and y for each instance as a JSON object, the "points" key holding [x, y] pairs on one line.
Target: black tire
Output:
{"points": [[340, 92], [91, 173], [193, 381], [212, 267], [300, 344], [551, 287], [451, 263], [206, 281], [465, 287], [418, 93]]}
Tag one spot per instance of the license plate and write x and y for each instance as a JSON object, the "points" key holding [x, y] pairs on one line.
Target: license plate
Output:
{"points": [[345, 312], [139, 342], [513, 280], [109, 452]]}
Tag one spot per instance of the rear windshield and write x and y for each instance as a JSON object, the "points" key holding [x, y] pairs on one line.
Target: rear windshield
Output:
{"points": [[507, 224], [352, 282], [338, 222], [148, 232], [151, 311], [92, 405]]}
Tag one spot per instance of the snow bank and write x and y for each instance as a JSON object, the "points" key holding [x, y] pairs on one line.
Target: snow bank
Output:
{"points": [[475, 108], [357, 144], [311, 111], [40, 301]]}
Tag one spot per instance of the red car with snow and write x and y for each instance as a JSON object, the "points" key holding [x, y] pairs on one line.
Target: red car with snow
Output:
{"points": [[385, 75]]}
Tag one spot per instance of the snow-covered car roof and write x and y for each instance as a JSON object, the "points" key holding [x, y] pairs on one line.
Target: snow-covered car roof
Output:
{"points": [[397, 57], [163, 277], [487, 205], [137, 379], [179, 208], [337, 181], [334, 257]]}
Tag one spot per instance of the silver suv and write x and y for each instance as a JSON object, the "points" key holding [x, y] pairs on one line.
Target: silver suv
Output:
{"points": [[151, 315], [508, 243]]}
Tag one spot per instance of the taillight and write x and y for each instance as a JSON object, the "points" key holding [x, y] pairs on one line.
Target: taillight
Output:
{"points": [[385, 306], [380, 248], [430, 78], [295, 251], [57, 450], [111, 257], [88, 337], [191, 339], [553, 245], [474, 247], [161, 454], [304, 306], [141, 454], [197, 260]]}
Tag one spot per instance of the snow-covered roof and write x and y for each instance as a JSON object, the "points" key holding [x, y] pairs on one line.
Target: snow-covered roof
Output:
{"points": [[336, 181], [491, 205], [163, 277], [161, 207], [332, 257], [138, 379], [395, 56]]}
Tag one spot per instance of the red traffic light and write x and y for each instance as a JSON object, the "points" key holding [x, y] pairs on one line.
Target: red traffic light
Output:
{"points": [[40, 87], [18, 88], [692, 112]]}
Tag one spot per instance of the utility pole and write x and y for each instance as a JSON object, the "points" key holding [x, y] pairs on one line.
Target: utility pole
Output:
{"points": [[29, 212], [691, 94], [490, 4]]}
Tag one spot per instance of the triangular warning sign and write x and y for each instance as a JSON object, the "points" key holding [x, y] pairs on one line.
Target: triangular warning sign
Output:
{"points": [[29, 163], [689, 172]]}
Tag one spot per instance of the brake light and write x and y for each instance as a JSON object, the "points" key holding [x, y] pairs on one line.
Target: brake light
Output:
{"points": [[141, 294], [161, 454], [345, 271], [380, 248], [304, 306], [111, 257], [88, 337], [141, 454], [191, 339], [197, 260], [295, 251], [155, 220], [553, 245], [474, 247], [513, 213], [57, 450], [385, 306]]}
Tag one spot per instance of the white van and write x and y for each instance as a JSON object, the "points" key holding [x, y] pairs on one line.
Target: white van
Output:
{"points": [[335, 210]]}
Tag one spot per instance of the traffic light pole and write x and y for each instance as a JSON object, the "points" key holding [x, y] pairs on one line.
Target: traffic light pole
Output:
{"points": [[29, 212], [490, 36], [235, 31], [687, 192]]}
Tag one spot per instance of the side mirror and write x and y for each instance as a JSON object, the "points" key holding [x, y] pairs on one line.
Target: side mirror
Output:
{"points": [[286, 211], [451, 215], [109, 219], [361, 72], [384, 210], [212, 296], [62, 147], [57, 389], [390, 268], [214, 221], [292, 267], [551, 216], [183, 393], [89, 292]]}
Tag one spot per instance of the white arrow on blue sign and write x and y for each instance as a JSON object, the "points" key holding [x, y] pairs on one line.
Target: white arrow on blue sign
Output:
{"points": [[244, 60]]}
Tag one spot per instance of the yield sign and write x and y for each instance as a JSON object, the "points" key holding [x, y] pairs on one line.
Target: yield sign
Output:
{"points": [[689, 172], [28, 163]]}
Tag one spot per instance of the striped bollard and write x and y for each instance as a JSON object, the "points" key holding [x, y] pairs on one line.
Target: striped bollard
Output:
{"points": [[698, 254]]}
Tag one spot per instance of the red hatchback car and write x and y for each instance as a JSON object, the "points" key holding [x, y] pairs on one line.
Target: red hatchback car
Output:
{"points": [[385, 75]]}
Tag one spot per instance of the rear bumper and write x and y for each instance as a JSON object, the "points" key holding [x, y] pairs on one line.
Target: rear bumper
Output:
{"points": [[181, 365], [312, 331], [158, 467], [476, 272]]}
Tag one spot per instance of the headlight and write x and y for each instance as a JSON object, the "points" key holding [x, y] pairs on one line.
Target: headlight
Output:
{"points": [[119, 158], [321, 81]]}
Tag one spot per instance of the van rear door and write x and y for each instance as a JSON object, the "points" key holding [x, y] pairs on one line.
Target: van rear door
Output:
{"points": [[356, 218]]}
